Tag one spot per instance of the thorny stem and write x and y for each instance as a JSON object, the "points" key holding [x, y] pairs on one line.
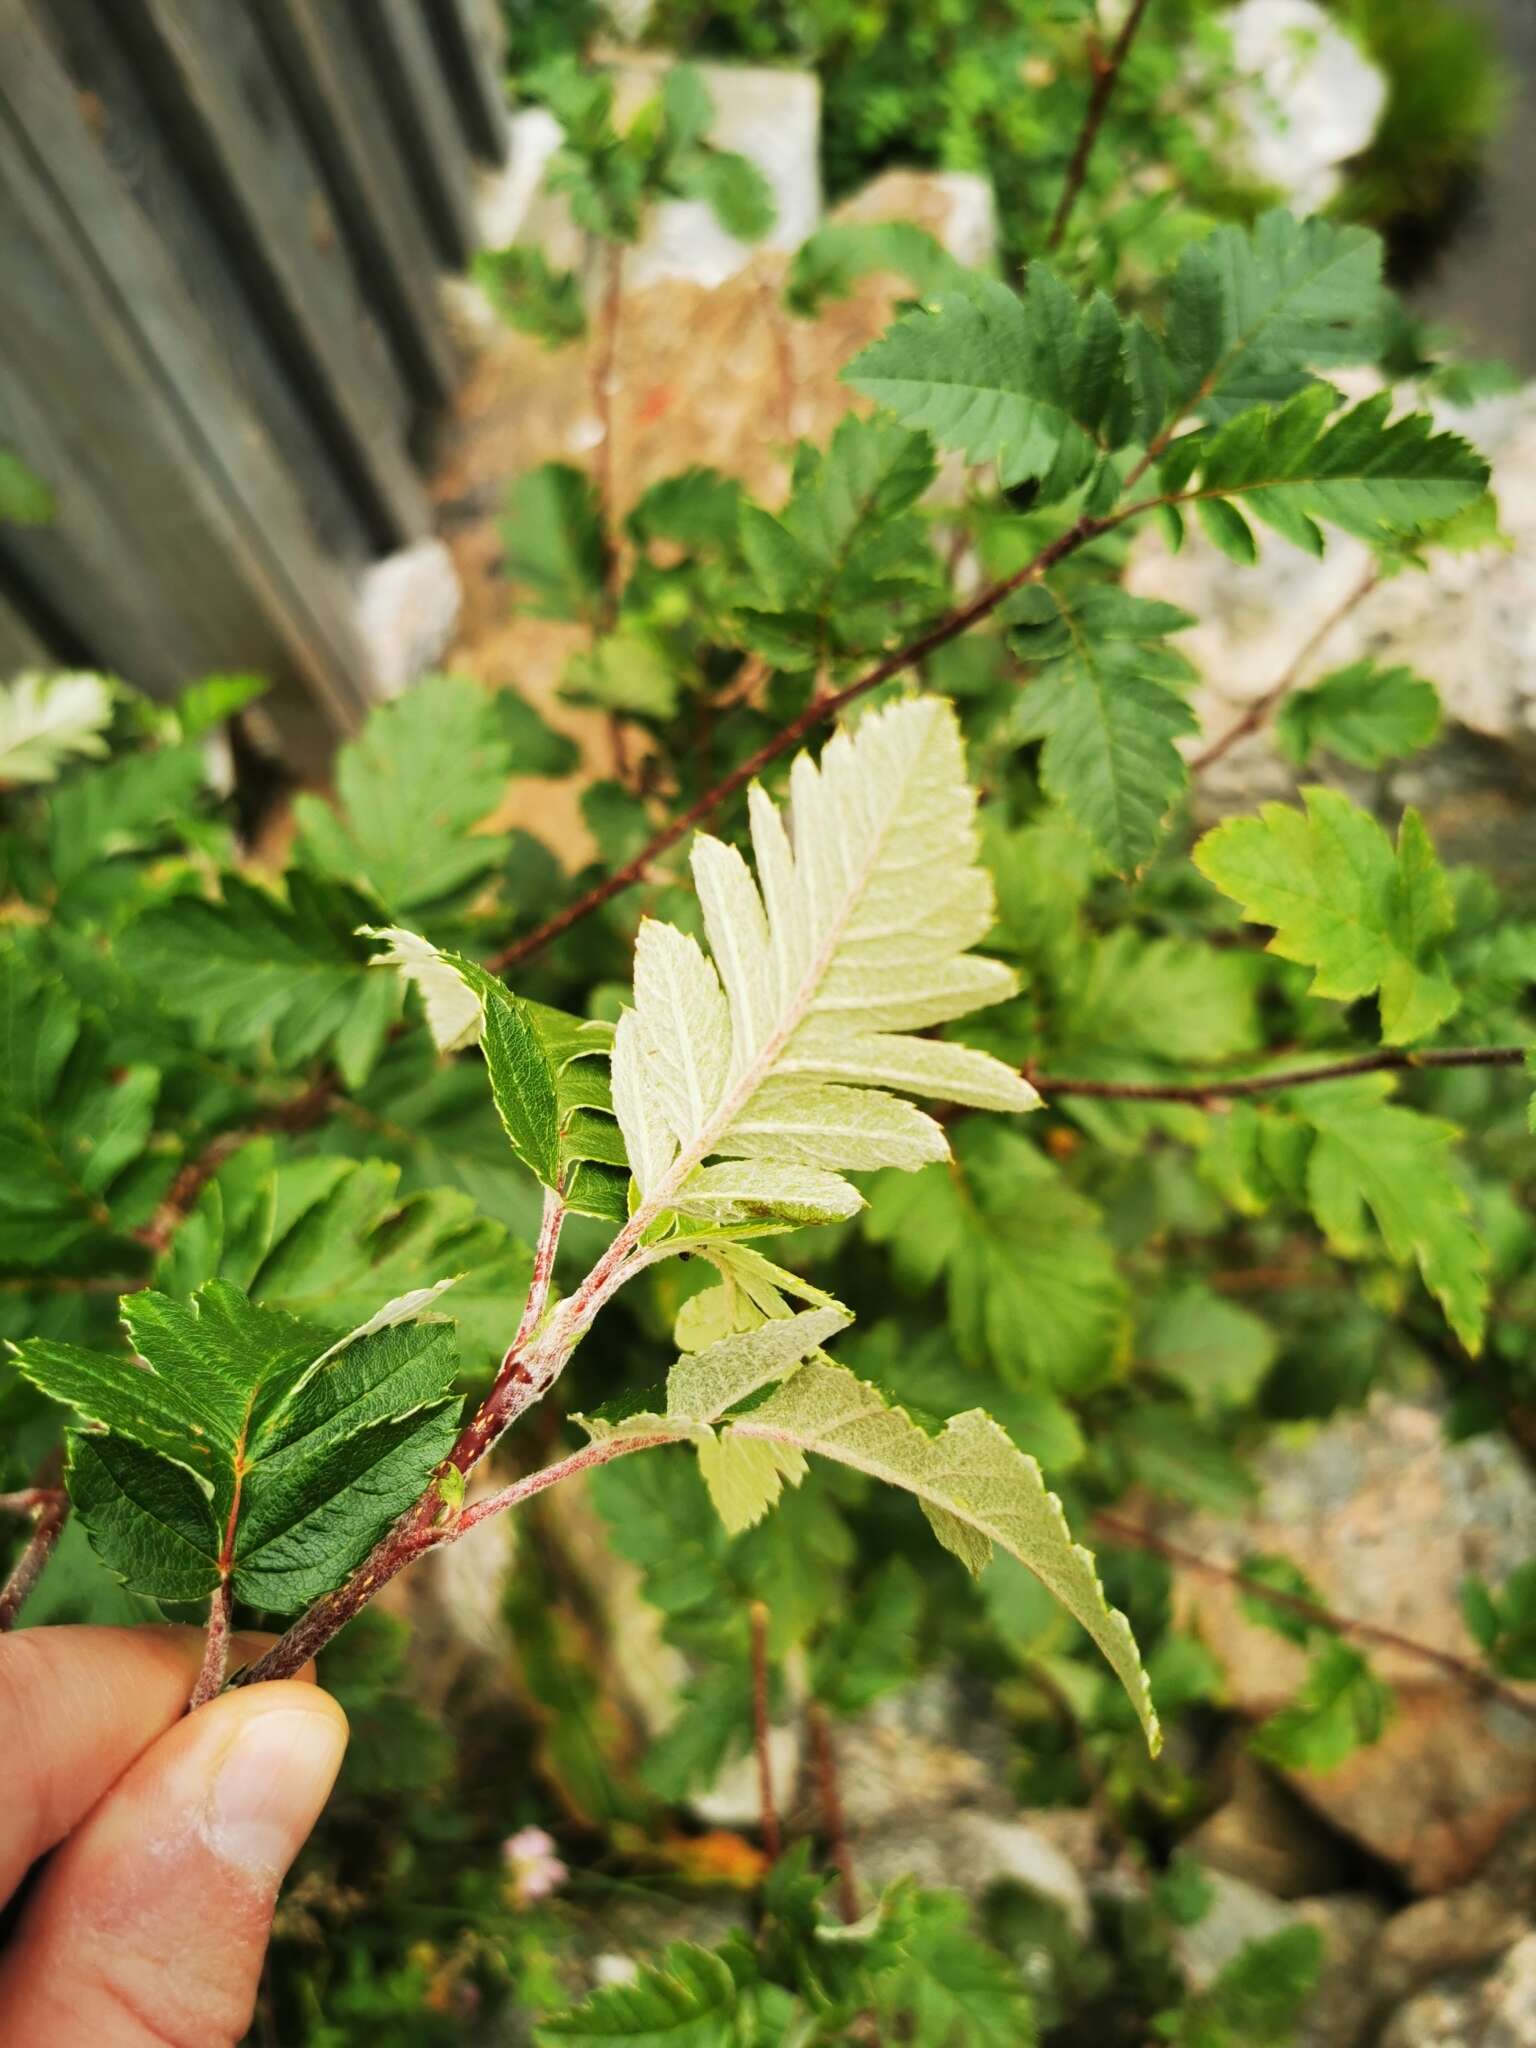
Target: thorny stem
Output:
{"points": [[1106, 73], [29, 1498], [210, 1679], [830, 1799], [1205, 1094], [50, 1509], [817, 712], [1473, 1676], [772, 1840], [1261, 707]]}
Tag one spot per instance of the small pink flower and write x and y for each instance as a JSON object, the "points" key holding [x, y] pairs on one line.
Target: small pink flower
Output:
{"points": [[532, 1865]]}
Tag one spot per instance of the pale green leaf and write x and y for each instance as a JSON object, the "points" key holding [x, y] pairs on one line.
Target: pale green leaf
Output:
{"points": [[1342, 902], [975, 1486], [47, 720]]}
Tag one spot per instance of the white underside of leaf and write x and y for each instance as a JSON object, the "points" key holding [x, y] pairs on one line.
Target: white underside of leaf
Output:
{"points": [[454, 1011], [852, 938]]}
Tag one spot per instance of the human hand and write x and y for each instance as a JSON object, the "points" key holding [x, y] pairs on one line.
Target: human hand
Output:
{"points": [[170, 1832]]}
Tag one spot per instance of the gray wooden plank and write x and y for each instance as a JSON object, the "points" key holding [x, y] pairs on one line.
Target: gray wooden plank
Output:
{"points": [[229, 115], [171, 461], [470, 43], [424, 120], [325, 64], [170, 190], [22, 646]]}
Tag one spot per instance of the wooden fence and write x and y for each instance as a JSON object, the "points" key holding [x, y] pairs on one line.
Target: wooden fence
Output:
{"points": [[223, 228]]}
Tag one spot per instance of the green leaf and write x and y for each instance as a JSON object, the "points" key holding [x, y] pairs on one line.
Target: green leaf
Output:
{"points": [[1034, 1290], [847, 562], [1341, 1707], [829, 263], [1282, 1576], [1365, 714], [951, 1990], [426, 771], [687, 2000], [552, 543], [48, 720], [1253, 312], [871, 1648], [856, 937], [1372, 1155], [530, 294], [1105, 701], [74, 1126], [326, 1239], [628, 671], [1378, 478], [247, 1446], [1216, 1352], [1366, 919], [25, 500], [1257, 1999], [284, 981], [1033, 382]]}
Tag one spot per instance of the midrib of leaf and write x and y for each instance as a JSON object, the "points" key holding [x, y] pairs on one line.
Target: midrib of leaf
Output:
{"points": [[752, 1079]]}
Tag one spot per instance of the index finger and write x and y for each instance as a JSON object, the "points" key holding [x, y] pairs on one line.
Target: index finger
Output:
{"points": [[77, 1707]]}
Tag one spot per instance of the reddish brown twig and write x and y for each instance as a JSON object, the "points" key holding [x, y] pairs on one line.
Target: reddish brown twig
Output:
{"points": [[1261, 707], [50, 1511], [302, 1113], [830, 1799], [1473, 1676], [1203, 1094], [772, 1841], [816, 713], [1106, 72], [215, 1668]]}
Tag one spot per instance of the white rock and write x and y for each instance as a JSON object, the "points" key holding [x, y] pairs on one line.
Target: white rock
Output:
{"points": [[1238, 1913], [407, 608], [958, 208], [970, 1851], [733, 1801], [773, 118], [1307, 97]]}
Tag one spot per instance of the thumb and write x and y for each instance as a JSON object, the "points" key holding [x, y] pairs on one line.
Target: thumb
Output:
{"points": [[149, 1926]]}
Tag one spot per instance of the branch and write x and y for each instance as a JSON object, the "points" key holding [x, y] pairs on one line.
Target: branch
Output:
{"points": [[50, 1509], [302, 1113], [1205, 1094], [1473, 1676], [816, 713], [830, 1798], [1106, 73], [210, 1679], [408, 1541], [1261, 707]]}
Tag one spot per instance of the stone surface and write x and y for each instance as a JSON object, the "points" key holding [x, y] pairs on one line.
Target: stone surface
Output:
{"points": [[408, 607], [1465, 1927], [1345, 2002], [956, 207], [1263, 1834], [1308, 98], [1386, 1519], [1238, 1913], [969, 1852], [1498, 2011]]}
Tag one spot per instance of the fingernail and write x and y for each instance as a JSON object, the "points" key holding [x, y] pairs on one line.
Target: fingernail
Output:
{"points": [[271, 1784]]}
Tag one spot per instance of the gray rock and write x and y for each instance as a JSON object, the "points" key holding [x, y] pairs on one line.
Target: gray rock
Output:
{"points": [[1468, 622], [1238, 1913], [1462, 1928], [1307, 98], [1497, 2011], [407, 609], [970, 1852], [1344, 2002], [1452, 1771]]}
